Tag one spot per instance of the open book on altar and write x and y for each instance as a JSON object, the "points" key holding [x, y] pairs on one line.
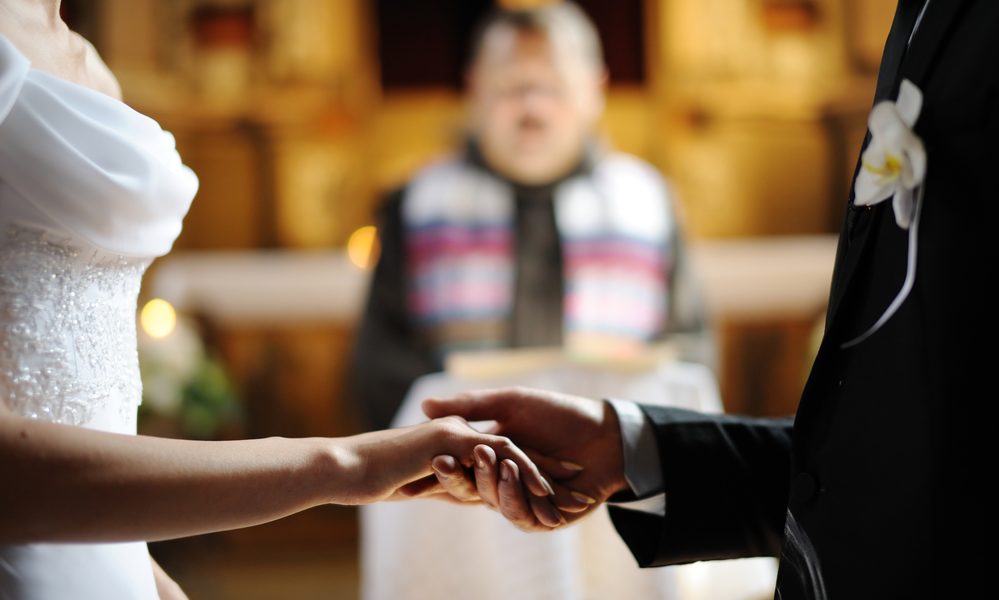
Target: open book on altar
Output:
{"points": [[651, 376], [508, 362]]}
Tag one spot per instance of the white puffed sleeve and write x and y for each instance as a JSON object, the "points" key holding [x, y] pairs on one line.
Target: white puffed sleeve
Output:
{"points": [[13, 69], [104, 172]]}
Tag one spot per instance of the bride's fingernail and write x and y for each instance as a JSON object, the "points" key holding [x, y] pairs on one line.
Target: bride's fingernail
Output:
{"points": [[571, 466], [583, 498], [557, 519], [548, 487], [505, 473]]}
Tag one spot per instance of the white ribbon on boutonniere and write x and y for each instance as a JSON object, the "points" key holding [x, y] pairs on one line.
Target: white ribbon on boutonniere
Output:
{"points": [[894, 166]]}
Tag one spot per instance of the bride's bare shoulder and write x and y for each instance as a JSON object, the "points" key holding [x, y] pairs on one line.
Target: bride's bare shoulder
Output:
{"points": [[96, 71], [61, 52]]}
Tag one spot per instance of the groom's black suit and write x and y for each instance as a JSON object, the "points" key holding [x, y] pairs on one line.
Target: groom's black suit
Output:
{"points": [[877, 489]]}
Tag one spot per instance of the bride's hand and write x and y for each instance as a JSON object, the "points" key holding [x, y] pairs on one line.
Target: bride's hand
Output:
{"points": [[396, 463]]}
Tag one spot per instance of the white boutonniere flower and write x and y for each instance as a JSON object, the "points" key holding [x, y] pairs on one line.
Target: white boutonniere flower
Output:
{"points": [[894, 166], [894, 163]]}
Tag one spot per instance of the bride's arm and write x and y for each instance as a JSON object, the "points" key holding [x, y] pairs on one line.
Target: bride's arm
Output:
{"points": [[64, 483]]}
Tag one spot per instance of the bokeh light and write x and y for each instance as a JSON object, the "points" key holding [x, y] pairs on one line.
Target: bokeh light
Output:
{"points": [[363, 248], [158, 318]]}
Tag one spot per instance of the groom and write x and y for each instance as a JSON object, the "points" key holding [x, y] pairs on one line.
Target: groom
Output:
{"points": [[876, 490]]}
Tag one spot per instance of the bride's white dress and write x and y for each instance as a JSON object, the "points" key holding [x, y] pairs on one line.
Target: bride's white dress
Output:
{"points": [[90, 192]]}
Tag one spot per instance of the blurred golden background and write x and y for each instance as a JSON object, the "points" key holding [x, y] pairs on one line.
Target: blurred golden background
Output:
{"points": [[299, 115]]}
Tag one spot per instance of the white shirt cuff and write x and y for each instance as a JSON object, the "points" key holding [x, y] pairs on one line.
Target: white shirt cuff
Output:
{"points": [[642, 468]]}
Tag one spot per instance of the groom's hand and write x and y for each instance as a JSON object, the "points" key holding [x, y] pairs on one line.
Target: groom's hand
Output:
{"points": [[575, 441]]}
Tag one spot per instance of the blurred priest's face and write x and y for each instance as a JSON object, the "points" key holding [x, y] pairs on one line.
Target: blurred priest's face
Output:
{"points": [[535, 102]]}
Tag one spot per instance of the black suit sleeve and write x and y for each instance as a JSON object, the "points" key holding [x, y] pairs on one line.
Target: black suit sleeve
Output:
{"points": [[726, 483], [389, 352]]}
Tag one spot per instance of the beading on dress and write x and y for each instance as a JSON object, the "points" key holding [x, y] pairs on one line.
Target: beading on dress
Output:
{"points": [[67, 328]]}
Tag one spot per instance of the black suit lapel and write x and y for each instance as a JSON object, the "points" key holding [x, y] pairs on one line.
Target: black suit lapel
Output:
{"points": [[896, 47], [939, 20], [898, 62]]}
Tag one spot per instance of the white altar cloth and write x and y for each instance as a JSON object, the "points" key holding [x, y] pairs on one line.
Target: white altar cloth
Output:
{"points": [[428, 549]]}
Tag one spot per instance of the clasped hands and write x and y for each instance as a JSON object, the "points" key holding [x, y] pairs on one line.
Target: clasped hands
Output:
{"points": [[574, 444]]}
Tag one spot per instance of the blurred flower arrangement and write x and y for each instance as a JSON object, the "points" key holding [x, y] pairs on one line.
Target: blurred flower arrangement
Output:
{"points": [[186, 392]]}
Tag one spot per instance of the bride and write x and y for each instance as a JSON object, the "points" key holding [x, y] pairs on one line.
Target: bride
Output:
{"points": [[90, 192]]}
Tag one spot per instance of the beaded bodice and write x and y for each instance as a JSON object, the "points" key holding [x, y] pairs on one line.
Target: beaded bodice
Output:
{"points": [[67, 328]]}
